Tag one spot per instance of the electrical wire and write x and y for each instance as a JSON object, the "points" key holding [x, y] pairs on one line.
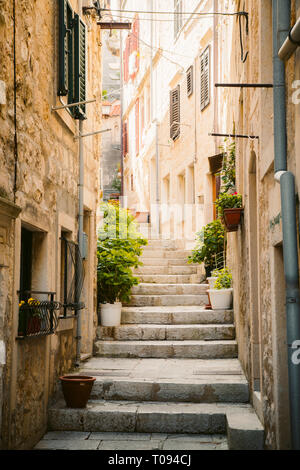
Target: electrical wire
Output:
{"points": [[175, 12]]}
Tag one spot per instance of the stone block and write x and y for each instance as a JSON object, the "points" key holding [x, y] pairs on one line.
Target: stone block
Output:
{"points": [[244, 431]]}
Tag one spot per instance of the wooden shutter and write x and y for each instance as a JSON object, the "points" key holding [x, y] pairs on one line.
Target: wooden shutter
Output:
{"points": [[80, 66], [189, 81], [205, 78], [65, 80], [137, 126], [175, 113]]}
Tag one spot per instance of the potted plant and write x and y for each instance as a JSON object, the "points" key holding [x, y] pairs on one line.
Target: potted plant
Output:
{"points": [[210, 244], [221, 294], [29, 317], [229, 209], [119, 249]]}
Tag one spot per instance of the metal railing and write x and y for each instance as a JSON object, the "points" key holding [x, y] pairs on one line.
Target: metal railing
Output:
{"points": [[37, 317]]}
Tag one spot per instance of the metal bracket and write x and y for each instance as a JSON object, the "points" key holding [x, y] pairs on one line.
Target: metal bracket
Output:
{"points": [[71, 105], [91, 133]]}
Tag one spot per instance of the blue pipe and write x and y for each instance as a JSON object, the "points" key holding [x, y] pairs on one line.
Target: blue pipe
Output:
{"points": [[281, 27]]}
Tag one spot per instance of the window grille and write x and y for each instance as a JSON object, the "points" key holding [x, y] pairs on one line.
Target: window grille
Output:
{"points": [[73, 277]]}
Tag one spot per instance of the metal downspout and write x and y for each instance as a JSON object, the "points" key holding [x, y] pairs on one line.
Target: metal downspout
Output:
{"points": [[281, 27], [80, 220]]}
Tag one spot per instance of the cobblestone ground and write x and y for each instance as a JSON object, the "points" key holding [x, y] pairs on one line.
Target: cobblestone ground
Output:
{"points": [[69, 440]]}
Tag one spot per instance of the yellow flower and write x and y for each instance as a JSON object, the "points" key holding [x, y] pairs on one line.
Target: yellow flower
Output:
{"points": [[21, 303]]}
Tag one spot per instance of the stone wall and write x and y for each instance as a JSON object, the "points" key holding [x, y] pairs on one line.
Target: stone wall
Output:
{"points": [[43, 155]]}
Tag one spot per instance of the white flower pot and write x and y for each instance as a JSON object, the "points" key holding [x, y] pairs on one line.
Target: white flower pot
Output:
{"points": [[211, 282], [110, 314], [220, 299]]}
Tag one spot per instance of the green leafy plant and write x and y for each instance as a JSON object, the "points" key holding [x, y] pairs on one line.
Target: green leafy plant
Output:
{"points": [[228, 201], [224, 279], [228, 169], [118, 251], [210, 243]]}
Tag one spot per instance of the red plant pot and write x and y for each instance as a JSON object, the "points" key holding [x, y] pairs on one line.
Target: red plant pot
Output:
{"points": [[77, 389], [232, 218]]}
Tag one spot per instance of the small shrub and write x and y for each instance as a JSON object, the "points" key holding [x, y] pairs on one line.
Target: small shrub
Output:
{"points": [[224, 279], [210, 243]]}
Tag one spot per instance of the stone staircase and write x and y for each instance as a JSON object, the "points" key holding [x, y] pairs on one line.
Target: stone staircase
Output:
{"points": [[170, 369]]}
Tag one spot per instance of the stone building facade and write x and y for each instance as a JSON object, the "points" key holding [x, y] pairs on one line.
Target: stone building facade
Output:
{"points": [[159, 168], [167, 118], [39, 204], [255, 251]]}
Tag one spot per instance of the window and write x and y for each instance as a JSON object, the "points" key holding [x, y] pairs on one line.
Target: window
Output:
{"points": [[175, 113], [189, 81], [72, 275], [205, 78], [178, 18], [72, 58]]}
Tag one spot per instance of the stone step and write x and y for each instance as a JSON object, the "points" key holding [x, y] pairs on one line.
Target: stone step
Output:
{"points": [[167, 254], [184, 380], [169, 289], [168, 300], [166, 270], [166, 332], [165, 278], [164, 244], [228, 390], [147, 261], [167, 349], [151, 417], [176, 315]]}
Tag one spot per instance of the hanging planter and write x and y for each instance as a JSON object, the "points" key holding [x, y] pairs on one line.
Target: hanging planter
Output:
{"points": [[77, 389], [232, 218], [230, 210]]}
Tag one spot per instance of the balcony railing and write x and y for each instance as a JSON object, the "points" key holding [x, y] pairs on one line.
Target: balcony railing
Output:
{"points": [[37, 317]]}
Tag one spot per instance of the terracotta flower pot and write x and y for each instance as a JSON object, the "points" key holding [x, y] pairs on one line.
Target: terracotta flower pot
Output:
{"points": [[232, 218], [77, 389]]}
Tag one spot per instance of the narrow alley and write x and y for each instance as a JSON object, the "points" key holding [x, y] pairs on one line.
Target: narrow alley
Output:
{"points": [[149, 227]]}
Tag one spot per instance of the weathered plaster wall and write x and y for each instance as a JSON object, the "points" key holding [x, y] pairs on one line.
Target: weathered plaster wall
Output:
{"points": [[46, 158]]}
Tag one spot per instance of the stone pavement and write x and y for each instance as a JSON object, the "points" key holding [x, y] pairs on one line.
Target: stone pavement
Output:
{"points": [[68, 440]]}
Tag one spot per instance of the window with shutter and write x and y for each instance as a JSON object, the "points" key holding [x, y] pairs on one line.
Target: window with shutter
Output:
{"points": [[65, 85], [175, 113], [189, 81], [80, 69], [72, 58], [205, 78]]}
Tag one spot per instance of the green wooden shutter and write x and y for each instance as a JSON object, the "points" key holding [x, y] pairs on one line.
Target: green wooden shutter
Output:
{"points": [[80, 66], [65, 86]]}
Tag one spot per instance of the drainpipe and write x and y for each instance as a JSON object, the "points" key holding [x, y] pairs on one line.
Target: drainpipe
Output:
{"points": [[80, 220], [281, 27], [291, 43]]}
